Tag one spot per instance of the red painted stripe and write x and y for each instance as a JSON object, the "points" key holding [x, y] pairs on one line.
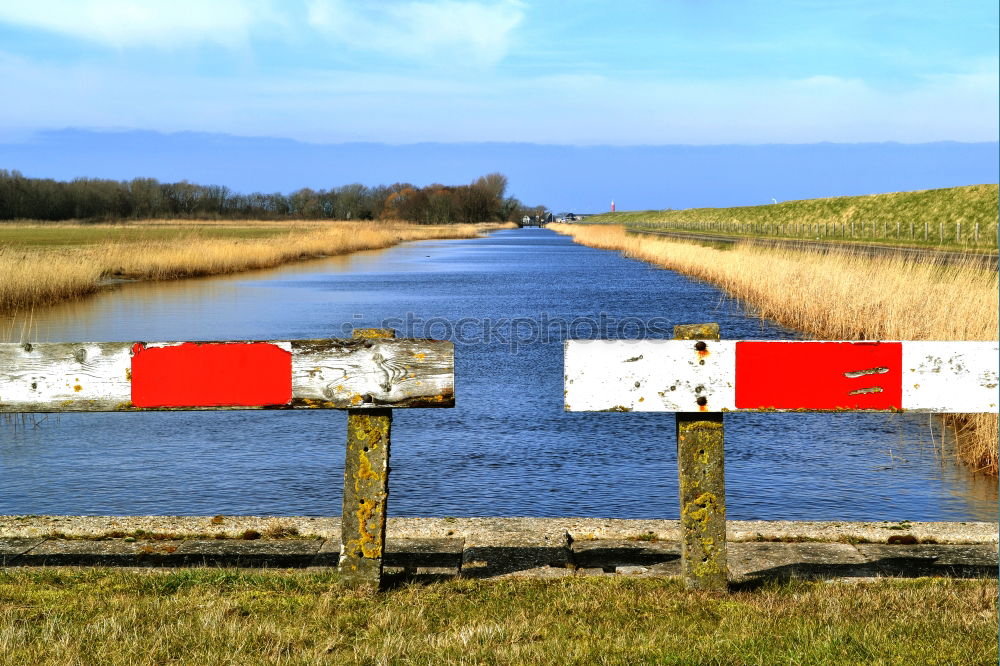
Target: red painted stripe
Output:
{"points": [[254, 374], [813, 375]]}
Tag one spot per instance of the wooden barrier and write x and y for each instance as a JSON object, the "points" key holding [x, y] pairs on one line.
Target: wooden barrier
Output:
{"points": [[700, 377], [369, 375]]}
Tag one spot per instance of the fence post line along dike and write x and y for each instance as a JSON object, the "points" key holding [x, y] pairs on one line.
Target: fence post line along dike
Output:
{"points": [[366, 487], [368, 375], [698, 371], [701, 480]]}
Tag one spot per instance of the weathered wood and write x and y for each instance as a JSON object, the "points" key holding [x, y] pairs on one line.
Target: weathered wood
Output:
{"points": [[57, 377], [714, 376], [701, 476], [958, 377], [325, 374], [366, 489], [371, 373], [649, 376]]}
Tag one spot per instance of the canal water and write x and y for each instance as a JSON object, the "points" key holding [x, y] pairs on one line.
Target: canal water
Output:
{"points": [[508, 448]]}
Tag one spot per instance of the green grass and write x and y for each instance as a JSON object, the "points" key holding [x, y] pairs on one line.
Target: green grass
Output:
{"points": [[949, 218], [25, 235], [90, 616]]}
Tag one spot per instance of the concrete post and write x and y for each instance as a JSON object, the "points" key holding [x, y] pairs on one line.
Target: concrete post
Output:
{"points": [[701, 472], [366, 489]]}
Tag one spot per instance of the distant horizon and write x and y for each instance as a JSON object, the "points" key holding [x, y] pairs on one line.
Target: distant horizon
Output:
{"points": [[651, 104], [565, 178], [28, 136]]}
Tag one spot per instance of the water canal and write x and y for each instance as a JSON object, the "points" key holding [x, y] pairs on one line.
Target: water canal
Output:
{"points": [[507, 448]]}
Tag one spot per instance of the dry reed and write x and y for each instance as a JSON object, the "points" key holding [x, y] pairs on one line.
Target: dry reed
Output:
{"points": [[841, 296], [35, 276]]}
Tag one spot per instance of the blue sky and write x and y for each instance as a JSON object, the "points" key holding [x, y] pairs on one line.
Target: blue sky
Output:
{"points": [[581, 73]]}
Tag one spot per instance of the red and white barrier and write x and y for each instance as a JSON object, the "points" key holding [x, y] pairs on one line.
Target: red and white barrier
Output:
{"points": [[731, 375], [121, 376]]}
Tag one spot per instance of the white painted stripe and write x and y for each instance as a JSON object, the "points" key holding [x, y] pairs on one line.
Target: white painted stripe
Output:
{"points": [[649, 375], [960, 377], [78, 376]]}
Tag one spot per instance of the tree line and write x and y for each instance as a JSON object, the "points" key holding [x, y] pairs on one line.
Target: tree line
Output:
{"points": [[482, 200]]}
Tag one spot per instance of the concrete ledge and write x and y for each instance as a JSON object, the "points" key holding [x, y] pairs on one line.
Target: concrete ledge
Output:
{"points": [[284, 553], [748, 561], [545, 532], [506, 547], [612, 555], [782, 561]]}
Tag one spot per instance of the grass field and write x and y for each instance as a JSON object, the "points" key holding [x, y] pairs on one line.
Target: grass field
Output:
{"points": [[840, 296], [44, 263], [956, 218], [92, 616], [56, 235]]}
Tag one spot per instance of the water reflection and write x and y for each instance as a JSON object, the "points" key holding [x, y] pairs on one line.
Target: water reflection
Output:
{"points": [[506, 449]]}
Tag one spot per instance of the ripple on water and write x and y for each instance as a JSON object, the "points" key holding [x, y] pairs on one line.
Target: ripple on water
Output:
{"points": [[508, 448]]}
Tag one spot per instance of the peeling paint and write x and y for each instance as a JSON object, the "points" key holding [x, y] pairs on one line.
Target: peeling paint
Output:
{"points": [[866, 391], [870, 371]]}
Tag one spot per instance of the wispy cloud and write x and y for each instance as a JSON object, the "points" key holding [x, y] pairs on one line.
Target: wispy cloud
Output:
{"points": [[452, 32], [447, 30], [151, 23], [424, 70], [335, 106]]}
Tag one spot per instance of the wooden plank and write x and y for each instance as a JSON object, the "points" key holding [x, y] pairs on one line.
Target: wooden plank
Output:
{"points": [[325, 374], [649, 375], [959, 377], [779, 375], [819, 375], [232, 374], [65, 377], [369, 373]]}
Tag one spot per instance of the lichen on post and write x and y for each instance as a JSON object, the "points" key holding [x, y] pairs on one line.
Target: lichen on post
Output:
{"points": [[366, 489], [701, 473]]}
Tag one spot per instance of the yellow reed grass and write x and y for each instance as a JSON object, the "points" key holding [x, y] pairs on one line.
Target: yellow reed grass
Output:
{"points": [[841, 296], [33, 276]]}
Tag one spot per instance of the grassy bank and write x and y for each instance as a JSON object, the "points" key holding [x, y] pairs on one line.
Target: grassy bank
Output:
{"points": [[955, 218], [840, 296], [45, 263], [220, 616]]}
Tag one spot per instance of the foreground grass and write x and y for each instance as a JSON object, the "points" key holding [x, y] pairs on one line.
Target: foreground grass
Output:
{"points": [[105, 616], [840, 296], [953, 218], [43, 264]]}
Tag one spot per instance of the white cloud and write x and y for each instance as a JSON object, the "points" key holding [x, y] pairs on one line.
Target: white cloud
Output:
{"points": [[577, 109], [451, 31], [156, 23]]}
